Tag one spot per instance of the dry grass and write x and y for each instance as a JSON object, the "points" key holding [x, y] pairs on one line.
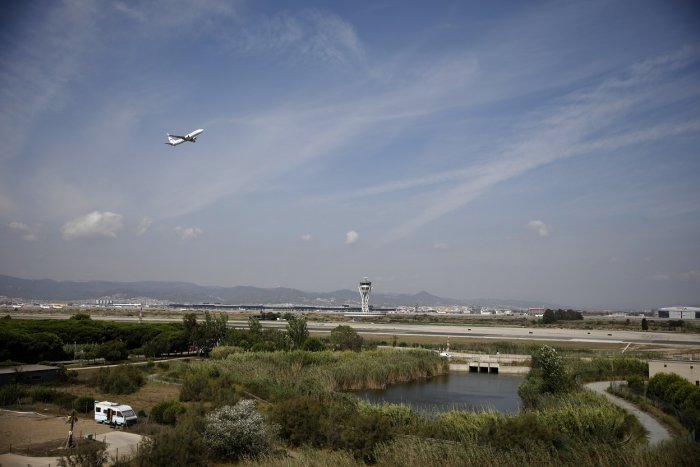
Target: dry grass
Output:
{"points": [[143, 399]]}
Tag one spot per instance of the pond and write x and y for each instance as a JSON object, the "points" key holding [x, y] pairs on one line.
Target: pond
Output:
{"points": [[456, 391]]}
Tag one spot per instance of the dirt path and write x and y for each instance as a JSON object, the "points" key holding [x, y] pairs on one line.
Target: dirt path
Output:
{"points": [[657, 432]]}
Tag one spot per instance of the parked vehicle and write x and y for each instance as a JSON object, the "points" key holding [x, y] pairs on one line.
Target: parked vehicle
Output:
{"points": [[113, 413]]}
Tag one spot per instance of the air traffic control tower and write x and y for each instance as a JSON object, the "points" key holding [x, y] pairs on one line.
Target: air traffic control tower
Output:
{"points": [[365, 289]]}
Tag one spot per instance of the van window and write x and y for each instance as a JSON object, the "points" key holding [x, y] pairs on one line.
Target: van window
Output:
{"points": [[119, 414], [98, 409]]}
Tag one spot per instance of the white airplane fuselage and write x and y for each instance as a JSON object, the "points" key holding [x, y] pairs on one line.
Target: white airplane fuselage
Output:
{"points": [[174, 140]]}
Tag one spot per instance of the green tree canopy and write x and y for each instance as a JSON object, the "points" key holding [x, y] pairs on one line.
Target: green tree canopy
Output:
{"points": [[345, 337], [297, 331]]}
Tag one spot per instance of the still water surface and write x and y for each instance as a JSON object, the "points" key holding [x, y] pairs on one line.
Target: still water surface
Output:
{"points": [[456, 391]]}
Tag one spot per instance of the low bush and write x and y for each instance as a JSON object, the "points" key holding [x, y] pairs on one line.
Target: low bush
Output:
{"points": [[179, 446], [682, 395], [166, 412], [123, 379], [52, 396]]}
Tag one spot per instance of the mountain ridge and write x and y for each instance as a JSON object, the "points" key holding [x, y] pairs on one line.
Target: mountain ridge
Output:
{"points": [[185, 292]]}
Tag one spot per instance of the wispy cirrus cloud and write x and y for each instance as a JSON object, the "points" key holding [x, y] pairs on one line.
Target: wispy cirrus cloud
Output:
{"points": [[37, 85], [307, 33], [274, 142], [576, 125]]}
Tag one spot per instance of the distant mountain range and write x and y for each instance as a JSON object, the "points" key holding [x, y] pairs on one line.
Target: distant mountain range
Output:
{"points": [[29, 290]]}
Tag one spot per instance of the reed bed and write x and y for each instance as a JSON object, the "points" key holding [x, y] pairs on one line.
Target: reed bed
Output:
{"points": [[412, 451], [277, 375]]}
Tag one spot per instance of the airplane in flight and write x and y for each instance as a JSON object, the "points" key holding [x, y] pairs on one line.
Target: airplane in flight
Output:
{"points": [[174, 140]]}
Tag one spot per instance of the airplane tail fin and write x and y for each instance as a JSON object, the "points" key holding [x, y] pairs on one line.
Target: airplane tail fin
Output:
{"points": [[171, 140]]}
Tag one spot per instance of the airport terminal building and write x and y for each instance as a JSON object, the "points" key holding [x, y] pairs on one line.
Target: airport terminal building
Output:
{"points": [[680, 312]]}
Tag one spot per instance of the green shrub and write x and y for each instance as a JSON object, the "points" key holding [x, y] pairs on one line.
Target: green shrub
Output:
{"points": [[180, 446], [635, 383], [52, 396], [123, 379], [113, 351], [166, 412], [223, 351], [313, 344], [680, 393], [345, 337]]}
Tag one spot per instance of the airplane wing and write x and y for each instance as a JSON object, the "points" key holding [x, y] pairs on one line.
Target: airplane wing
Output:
{"points": [[176, 136]]}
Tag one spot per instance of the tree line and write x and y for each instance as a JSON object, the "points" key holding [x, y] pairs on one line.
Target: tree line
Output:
{"points": [[552, 316], [80, 337]]}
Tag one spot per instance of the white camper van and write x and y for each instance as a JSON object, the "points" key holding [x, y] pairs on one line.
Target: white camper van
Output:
{"points": [[112, 413]]}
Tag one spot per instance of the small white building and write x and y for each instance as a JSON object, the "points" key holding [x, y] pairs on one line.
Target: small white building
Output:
{"points": [[688, 369]]}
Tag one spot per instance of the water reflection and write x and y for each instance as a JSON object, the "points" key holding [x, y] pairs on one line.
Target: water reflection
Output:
{"points": [[457, 391]]}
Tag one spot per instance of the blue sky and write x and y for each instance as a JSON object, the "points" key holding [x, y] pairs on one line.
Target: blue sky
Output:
{"points": [[542, 150]]}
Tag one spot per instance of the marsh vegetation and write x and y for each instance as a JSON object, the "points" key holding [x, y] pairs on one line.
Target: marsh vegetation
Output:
{"points": [[289, 394]]}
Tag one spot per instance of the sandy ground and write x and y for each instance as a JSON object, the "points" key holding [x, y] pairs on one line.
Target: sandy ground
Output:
{"points": [[22, 430], [119, 444]]}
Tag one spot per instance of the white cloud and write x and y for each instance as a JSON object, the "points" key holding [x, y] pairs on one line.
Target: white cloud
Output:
{"points": [[28, 233], [188, 233], [132, 13], [440, 246], [94, 224], [539, 227], [351, 237], [306, 237], [143, 226]]}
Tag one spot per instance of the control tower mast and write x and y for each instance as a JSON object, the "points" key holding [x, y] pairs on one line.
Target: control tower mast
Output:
{"points": [[365, 289]]}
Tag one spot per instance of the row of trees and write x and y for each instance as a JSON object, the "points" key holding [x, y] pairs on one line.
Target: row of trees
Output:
{"points": [[552, 316], [32, 341]]}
